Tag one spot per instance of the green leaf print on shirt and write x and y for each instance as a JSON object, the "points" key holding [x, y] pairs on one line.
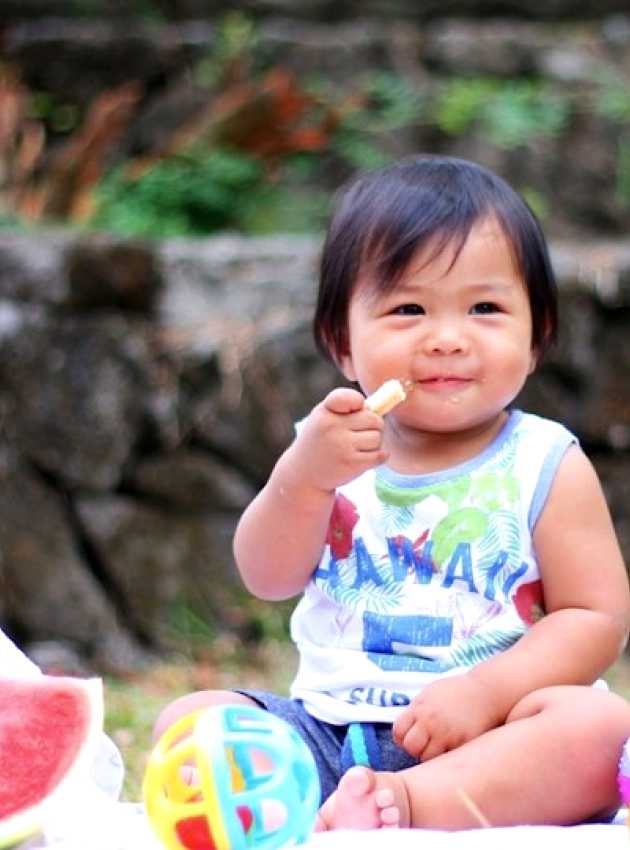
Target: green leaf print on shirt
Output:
{"points": [[463, 526], [482, 646], [369, 596], [362, 581], [451, 492], [503, 535], [494, 490], [396, 520]]}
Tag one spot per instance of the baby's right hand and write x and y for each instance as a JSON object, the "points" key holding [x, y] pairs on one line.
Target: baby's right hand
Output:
{"points": [[338, 441]]}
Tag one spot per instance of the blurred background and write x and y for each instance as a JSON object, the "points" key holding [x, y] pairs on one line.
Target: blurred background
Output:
{"points": [[166, 170]]}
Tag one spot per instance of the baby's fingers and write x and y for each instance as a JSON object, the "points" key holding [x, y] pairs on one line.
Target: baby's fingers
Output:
{"points": [[402, 725], [367, 441], [416, 741], [343, 400], [434, 747]]}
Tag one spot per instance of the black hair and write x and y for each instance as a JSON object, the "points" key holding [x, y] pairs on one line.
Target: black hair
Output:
{"points": [[384, 217]]}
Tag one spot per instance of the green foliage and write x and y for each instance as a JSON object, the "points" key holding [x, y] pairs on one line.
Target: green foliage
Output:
{"points": [[285, 209], [193, 632], [521, 111], [612, 103], [208, 191], [461, 102], [623, 172], [509, 113], [193, 194], [390, 103], [536, 201], [235, 39], [357, 151], [8, 221], [57, 116], [612, 100], [188, 628]]}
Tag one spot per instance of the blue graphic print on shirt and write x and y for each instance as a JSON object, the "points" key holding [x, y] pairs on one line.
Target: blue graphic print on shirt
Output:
{"points": [[425, 575]]}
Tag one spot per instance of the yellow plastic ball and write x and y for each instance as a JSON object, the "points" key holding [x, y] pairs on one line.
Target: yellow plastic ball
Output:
{"points": [[211, 774]]}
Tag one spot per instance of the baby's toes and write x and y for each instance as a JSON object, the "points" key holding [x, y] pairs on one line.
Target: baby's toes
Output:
{"points": [[389, 813]]}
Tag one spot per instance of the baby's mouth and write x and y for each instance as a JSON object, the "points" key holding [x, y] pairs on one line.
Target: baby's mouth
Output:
{"points": [[443, 382]]}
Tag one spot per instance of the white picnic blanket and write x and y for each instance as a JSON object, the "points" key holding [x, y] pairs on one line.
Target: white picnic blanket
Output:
{"points": [[105, 825], [93, 819]]}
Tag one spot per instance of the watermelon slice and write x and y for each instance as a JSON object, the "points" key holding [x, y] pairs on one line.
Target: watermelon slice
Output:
{"points": [[50, 727]]}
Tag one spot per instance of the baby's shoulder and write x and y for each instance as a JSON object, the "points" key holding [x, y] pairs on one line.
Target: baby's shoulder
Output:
{"points": [[531, 428]]}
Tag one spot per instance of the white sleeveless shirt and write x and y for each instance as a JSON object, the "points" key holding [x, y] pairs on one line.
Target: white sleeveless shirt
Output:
{"points": [[424, 576]]}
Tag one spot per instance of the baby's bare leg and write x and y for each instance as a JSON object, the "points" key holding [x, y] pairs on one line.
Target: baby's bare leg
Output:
{"points": [[553, 762], [193, 702]]}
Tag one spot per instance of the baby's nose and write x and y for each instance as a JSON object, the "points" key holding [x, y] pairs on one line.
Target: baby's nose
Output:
{"points": [[445, 337]]}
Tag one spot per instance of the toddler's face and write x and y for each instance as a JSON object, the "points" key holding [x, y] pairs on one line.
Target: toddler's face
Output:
{"points": [[460, 334]]}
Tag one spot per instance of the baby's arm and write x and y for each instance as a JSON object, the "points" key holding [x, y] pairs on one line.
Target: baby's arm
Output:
{"points": [[587, 605], [281, 535]]}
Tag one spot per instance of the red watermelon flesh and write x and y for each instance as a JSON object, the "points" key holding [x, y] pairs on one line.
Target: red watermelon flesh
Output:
{"points": [[47, 726]]}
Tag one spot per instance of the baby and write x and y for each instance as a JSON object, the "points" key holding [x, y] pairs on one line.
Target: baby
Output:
{"points": [[462, 588]]}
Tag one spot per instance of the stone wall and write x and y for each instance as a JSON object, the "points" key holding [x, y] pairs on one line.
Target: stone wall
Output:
{"points": [[567, 145], [146, 390], [318, 10]]}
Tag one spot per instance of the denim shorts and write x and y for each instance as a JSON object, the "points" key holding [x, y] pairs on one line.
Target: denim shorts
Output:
{"points": [[336, 748]]}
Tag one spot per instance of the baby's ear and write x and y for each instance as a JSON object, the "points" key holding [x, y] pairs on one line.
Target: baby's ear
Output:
{"points": [[533, 361]]}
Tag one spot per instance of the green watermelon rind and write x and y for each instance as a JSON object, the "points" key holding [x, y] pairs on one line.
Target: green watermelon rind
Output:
{"points": [[25, 823]]}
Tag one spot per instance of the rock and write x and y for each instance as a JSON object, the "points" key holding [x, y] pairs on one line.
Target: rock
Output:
{"points": [[76, 57], [163, 563], [46, 588], [317, 10], [106, 273], [71, 395], [34, 269], [229, 282], [137, 439], [58, 658], [252, 415], [502, 47], [192, 479]]}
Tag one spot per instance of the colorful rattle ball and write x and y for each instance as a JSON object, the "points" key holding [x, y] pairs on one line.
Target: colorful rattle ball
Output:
{"points": [[231, 777]]}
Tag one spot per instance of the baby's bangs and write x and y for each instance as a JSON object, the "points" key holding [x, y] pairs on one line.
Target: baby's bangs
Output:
{"points": [[387, 255]]}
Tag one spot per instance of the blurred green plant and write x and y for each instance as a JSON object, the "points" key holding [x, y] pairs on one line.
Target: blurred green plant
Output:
{"points": [[612, 99], [192, 633], [536, 201], [57, 117], [205, 191], [508, 113], [189, 629], [233, 49], [388, 102], [195, 193], [385, 102], [623, 172]]}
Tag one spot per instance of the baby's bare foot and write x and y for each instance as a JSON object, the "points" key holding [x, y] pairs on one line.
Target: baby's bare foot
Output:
{"points": [[363, 800]]}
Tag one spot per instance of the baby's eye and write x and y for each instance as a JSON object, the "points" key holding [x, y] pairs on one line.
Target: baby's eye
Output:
{"points": [[485, 308], [408, 310]]}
